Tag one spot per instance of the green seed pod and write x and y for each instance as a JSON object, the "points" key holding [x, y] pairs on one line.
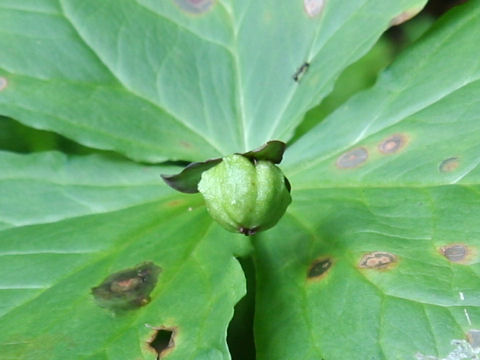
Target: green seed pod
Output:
{"points": [[245, 196]]}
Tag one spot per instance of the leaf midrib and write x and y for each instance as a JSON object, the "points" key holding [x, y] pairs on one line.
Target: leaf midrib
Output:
{"points": [[134, 93]]}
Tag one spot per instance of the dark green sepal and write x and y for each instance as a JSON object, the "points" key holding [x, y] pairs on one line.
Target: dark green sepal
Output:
{"points": [[187, 180]]}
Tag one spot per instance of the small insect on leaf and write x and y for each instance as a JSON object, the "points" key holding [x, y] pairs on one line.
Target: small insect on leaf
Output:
{"points": [[301, 72]]}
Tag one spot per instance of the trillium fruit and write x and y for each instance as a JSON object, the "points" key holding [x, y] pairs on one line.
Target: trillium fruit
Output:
{"points": [[245, 192], [245, 195]]}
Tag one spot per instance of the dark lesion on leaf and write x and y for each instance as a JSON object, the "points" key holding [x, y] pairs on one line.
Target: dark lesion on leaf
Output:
{"points": [[379, 260], [458, 253], [127, 289], [352, 158], [319, 268], [162, 341], [449, 165], [393, 144]]}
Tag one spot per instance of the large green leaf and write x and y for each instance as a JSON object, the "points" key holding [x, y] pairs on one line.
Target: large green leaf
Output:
{"points": [[48, 187], [377, 257], [178, 79], [47, 270]]}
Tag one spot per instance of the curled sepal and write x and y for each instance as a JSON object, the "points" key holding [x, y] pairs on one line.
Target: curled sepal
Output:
{"points": [[272, 151], [187, 180], [245, 196]]}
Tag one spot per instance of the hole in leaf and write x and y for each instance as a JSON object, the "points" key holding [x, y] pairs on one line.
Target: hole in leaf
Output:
{"points": [[319, 267], [449, 165], [392, 144], [352, 158], [127, 289], [377, 260], [162, 341]]}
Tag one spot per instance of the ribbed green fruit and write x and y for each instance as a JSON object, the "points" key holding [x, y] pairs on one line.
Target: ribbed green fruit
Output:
{"points": [[245, 196]]}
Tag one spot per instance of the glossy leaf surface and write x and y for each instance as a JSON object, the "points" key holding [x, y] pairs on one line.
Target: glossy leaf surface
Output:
{"points": [[377, 257], [178, 79], [48, 270]]}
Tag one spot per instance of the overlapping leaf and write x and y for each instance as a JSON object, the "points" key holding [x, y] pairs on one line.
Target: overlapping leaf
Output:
{"points": [[178, 79], [377, 257], [47, 271], [49, 187]]}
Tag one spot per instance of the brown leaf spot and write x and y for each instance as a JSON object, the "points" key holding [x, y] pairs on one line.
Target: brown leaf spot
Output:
{"points": [[162, 341], [3, 83], [125, 285], [352, 158], [392, 144], [379, 260], [127, 289], [313, 8], [457, 253], [195, 7], [186, 144], [175, 203], [449, 165], [319, 268]]}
